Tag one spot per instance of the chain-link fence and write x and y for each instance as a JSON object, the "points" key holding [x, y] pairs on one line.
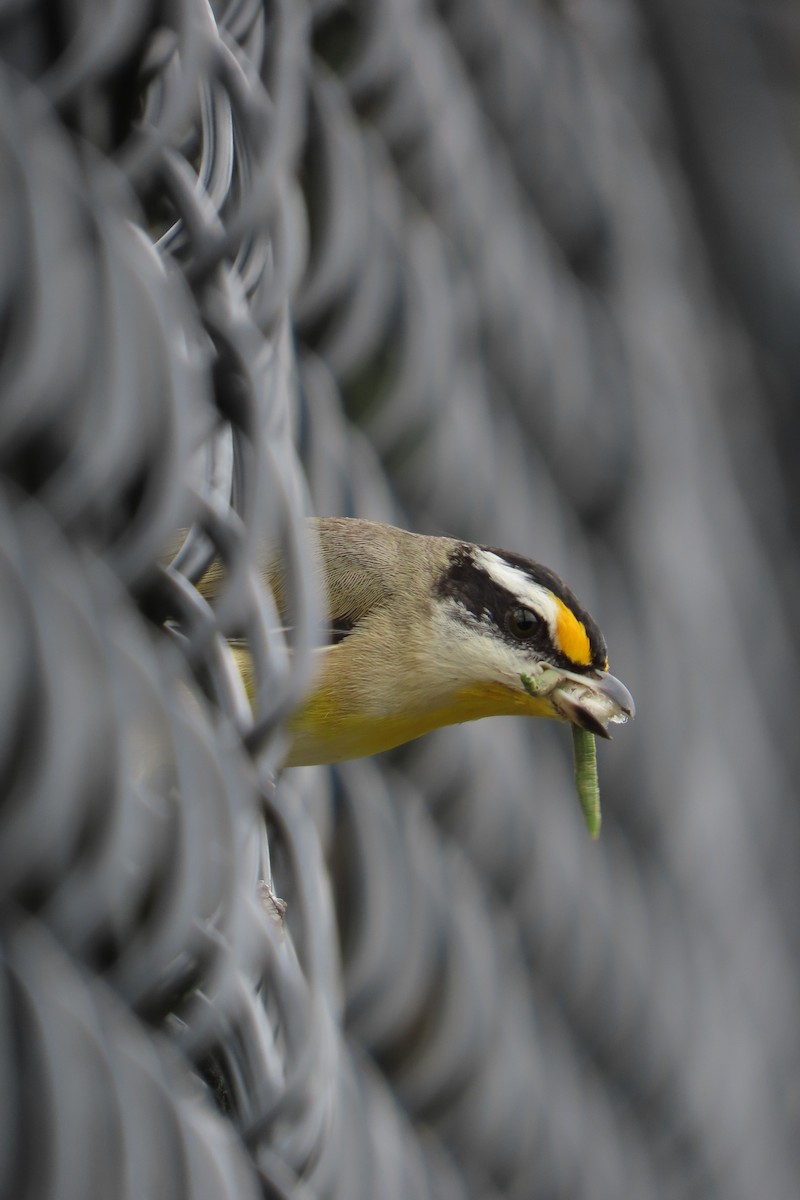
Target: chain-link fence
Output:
{"points": [[519, 272]]}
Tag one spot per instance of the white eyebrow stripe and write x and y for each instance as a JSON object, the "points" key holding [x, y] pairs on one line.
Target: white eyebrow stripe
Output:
{"points": [[532, 595]]}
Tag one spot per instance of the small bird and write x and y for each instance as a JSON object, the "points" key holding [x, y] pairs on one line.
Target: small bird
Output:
{"points": [[432, 631]]}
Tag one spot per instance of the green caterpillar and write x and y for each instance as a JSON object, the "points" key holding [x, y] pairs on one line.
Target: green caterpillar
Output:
{"points": [[584, 754], [585, 758]]}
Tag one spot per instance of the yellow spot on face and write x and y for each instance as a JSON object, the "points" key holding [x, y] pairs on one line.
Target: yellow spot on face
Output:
{"points": [[572, 635]]}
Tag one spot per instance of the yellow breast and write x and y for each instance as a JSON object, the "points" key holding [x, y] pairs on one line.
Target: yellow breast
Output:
{"points": [[339, 721], [325, 731]]}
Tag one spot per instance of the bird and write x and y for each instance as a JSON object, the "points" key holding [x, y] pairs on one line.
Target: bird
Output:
{"points": [[426, 631]]}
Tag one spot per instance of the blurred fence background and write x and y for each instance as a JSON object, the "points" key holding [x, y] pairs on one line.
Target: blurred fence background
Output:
{"points": [[522, 272]]}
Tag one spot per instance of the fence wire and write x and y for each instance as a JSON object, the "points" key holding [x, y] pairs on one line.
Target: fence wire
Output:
{"points": [[525, 274]]}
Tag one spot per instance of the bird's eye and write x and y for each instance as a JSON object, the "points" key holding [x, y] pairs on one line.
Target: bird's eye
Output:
{"points": [[523, 623]]}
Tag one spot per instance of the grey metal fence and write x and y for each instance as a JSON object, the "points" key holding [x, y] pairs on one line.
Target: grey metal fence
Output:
{"points": [[524, 273]]}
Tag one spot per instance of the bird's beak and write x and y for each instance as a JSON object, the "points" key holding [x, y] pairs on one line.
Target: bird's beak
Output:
{"points": [[593, 703], [590, 701]]}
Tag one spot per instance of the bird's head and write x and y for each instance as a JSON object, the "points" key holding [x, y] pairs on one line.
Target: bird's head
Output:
{"points": [[517, 641]]}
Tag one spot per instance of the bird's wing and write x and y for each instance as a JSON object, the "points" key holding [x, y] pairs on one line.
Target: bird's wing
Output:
{"points": [[355, 559], [356, 563]]}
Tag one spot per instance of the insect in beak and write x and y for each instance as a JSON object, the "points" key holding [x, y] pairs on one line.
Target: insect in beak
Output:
{"points": [[594, 703], [590, 703]]}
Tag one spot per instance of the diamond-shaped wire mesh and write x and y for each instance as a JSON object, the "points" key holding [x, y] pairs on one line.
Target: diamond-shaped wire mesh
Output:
{"points": [[522, 273]]}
